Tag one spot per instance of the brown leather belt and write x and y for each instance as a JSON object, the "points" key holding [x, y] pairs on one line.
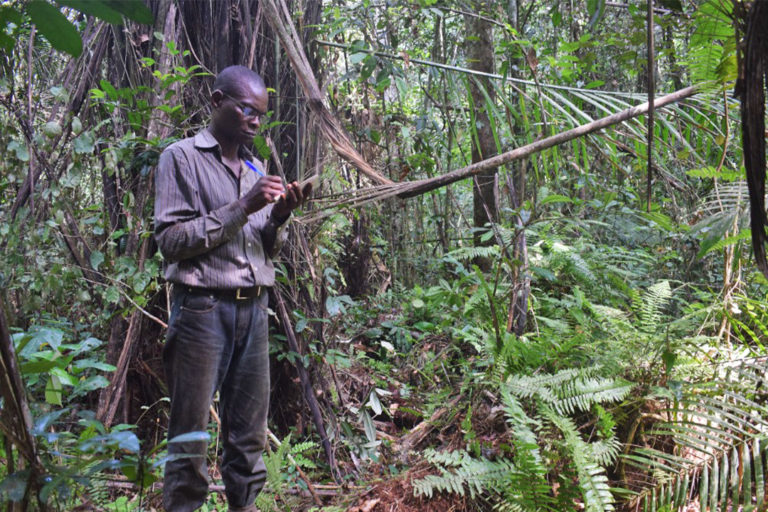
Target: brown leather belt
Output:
{"points": [[254, 292]]}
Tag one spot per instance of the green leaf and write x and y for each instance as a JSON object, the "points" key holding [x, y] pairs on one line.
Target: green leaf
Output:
{"points": [[715, 244], [95, 8], [22, 153], [90, 363], [112, 295], [140, 281], [261, 147], [52, 129], [90, 384], [557, 18], [370, 428], [9, 15], [374, 403], [55, 27], [357, 57], [97, 258], [555, 198], [34, 367], [674, 5], [712, 173], [124, 440], [85, 143], [64, 377], [15, 486], [133, 9], [191, 436], [335, 305], [53, 390], [42, 336], [109, 89], [595, 8]]}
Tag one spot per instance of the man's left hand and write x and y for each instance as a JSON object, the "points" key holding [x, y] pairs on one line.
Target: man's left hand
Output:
{"points": [[293, 197]]}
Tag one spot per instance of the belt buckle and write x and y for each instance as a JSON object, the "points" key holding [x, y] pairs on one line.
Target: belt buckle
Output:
{"points": [[241, 297]]}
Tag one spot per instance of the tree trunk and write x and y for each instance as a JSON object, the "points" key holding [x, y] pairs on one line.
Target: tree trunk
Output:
{"points": [[478, 46]]}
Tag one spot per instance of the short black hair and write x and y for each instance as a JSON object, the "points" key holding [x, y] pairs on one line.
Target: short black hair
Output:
{"points": [[230, 79]]}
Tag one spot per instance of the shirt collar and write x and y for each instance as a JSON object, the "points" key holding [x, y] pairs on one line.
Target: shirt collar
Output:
{"points": [[205, 140]]}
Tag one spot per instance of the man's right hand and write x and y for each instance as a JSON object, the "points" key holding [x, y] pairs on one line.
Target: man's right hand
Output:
{"points": [[266, 190]]}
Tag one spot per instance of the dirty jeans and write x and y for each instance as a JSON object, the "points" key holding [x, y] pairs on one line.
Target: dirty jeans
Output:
{"points": [[216, 343]]}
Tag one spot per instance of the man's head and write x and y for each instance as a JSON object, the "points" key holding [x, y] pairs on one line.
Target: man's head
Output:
{"points": [[238, 100]]}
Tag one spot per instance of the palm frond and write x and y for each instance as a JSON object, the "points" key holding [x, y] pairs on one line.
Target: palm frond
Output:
{"points": [[719, 430]]}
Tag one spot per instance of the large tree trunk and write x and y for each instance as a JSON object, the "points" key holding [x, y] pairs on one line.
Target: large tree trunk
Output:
{"points": [[753, 77]]}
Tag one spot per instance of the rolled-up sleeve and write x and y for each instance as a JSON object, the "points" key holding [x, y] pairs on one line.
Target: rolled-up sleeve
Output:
{"points": [[182, 230]]}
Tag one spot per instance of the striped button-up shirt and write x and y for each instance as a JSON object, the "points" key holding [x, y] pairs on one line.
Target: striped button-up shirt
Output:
{"points": [[203, 233]]}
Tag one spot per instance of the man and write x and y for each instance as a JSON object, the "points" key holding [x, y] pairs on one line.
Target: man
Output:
{"points": [[216, 223]]}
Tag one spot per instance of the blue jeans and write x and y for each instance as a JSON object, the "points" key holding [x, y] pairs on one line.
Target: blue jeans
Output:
{"points": [[216, 343]]}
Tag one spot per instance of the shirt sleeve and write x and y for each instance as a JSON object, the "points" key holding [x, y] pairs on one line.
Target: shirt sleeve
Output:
{"points": [[273, 235], [182, 231]]}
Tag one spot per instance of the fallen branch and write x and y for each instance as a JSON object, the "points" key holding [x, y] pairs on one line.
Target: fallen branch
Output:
{"points": [[422, 430], [419, 187], [404, 190]]}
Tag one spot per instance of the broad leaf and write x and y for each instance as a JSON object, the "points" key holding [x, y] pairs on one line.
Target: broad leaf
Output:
{"points": [[55, 27], [95, 8]]}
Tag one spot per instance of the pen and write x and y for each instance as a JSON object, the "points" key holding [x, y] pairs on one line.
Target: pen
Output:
{"points": [[257, 171], [254, 168]]}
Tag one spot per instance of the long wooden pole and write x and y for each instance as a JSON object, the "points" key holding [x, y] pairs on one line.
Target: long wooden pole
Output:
{"points": [[416, 188]]}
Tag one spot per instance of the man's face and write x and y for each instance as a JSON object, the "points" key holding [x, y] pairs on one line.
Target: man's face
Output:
{"points": [[237, 116]]}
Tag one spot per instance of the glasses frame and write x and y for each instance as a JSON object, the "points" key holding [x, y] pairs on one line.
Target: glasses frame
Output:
{"points": [[248, 112]]}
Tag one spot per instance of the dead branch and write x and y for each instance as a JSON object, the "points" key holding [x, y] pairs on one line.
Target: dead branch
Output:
{"points": [[422, 430]]}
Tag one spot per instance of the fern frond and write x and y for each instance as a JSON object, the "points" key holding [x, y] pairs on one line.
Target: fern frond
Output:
{"points": [[593, 481], [581, 394], [472, 253], [605, 451], [473, 476], [454, 458], [649, 309]]}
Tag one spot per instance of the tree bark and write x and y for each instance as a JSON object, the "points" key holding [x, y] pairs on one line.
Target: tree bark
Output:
{"points": [[751, 89], [478, 46]]}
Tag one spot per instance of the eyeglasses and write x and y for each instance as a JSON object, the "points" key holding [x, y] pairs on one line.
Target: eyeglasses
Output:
{"points": [[248, 112]]}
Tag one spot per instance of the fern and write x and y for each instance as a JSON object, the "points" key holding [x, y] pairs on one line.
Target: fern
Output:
{"points": [[581, 394], [649, 308], [274, 462], [465, 475], [522, 482], [472, 252]]}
